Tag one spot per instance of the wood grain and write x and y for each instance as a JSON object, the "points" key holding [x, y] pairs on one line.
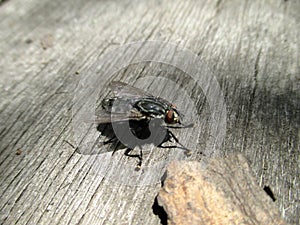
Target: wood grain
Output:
{"points": [[222, 192], [251, 47]]}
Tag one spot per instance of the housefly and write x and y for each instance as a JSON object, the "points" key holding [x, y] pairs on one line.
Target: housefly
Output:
{"points": [[139, 108]]}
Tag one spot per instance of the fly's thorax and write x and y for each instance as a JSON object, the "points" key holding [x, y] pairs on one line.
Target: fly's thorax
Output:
{"points": [[158, 108], [152, 107]]}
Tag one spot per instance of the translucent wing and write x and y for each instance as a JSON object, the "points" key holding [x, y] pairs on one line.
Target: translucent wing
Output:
{"points": [[123, 90], [120, 107], [126, 91], [109, 117]]}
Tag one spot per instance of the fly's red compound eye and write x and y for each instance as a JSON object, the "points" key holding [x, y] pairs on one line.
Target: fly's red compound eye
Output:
{"points": [[170, 116]]}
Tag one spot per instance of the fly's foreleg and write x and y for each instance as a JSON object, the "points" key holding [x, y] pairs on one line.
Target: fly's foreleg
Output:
{"points": [[111, 140], [187, 151], [139, 156]]}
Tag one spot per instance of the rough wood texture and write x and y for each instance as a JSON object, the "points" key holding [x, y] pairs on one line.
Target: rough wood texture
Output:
{"points": [[252, 47], [223, 192]]}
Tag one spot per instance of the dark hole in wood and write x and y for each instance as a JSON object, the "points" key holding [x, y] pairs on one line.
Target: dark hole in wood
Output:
{"points": [[163, 178], [160, 212], [269, 192], [3, 1]]}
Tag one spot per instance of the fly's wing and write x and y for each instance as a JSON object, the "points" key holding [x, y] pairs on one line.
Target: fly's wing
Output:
{"points": [[123, 90], [109, 117], [120, 107]]}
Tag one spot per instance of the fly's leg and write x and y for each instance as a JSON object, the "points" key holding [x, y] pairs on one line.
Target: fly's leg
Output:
{"points": [[139, 156], [111, 140], [187, 151], [181, 127], [75, 148]]}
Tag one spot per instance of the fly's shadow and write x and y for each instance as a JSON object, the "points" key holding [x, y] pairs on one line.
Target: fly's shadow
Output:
{"points": [[141, 130]]}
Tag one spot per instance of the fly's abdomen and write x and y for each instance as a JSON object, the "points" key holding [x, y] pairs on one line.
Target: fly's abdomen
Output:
{"points": [[116, 105]]}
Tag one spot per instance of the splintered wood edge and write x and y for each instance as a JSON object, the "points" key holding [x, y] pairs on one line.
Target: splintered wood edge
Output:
{"points": [[222, 192]]}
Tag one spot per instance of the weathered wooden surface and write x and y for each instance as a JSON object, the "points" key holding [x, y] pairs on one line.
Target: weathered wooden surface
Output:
{"points": [[251, 47], [223, 192]]}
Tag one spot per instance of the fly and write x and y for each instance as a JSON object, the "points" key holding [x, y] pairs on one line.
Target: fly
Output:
{"points": [[140, 108]]}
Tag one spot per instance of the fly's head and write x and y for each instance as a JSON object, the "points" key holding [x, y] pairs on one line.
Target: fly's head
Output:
{"points": [[173, 116]]}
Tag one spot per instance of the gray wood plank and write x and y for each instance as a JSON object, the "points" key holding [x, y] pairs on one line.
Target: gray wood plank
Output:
{"points": [[252, 48]]}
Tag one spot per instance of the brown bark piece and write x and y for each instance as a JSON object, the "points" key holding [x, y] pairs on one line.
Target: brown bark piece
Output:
{"points": [[223, 192]]}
